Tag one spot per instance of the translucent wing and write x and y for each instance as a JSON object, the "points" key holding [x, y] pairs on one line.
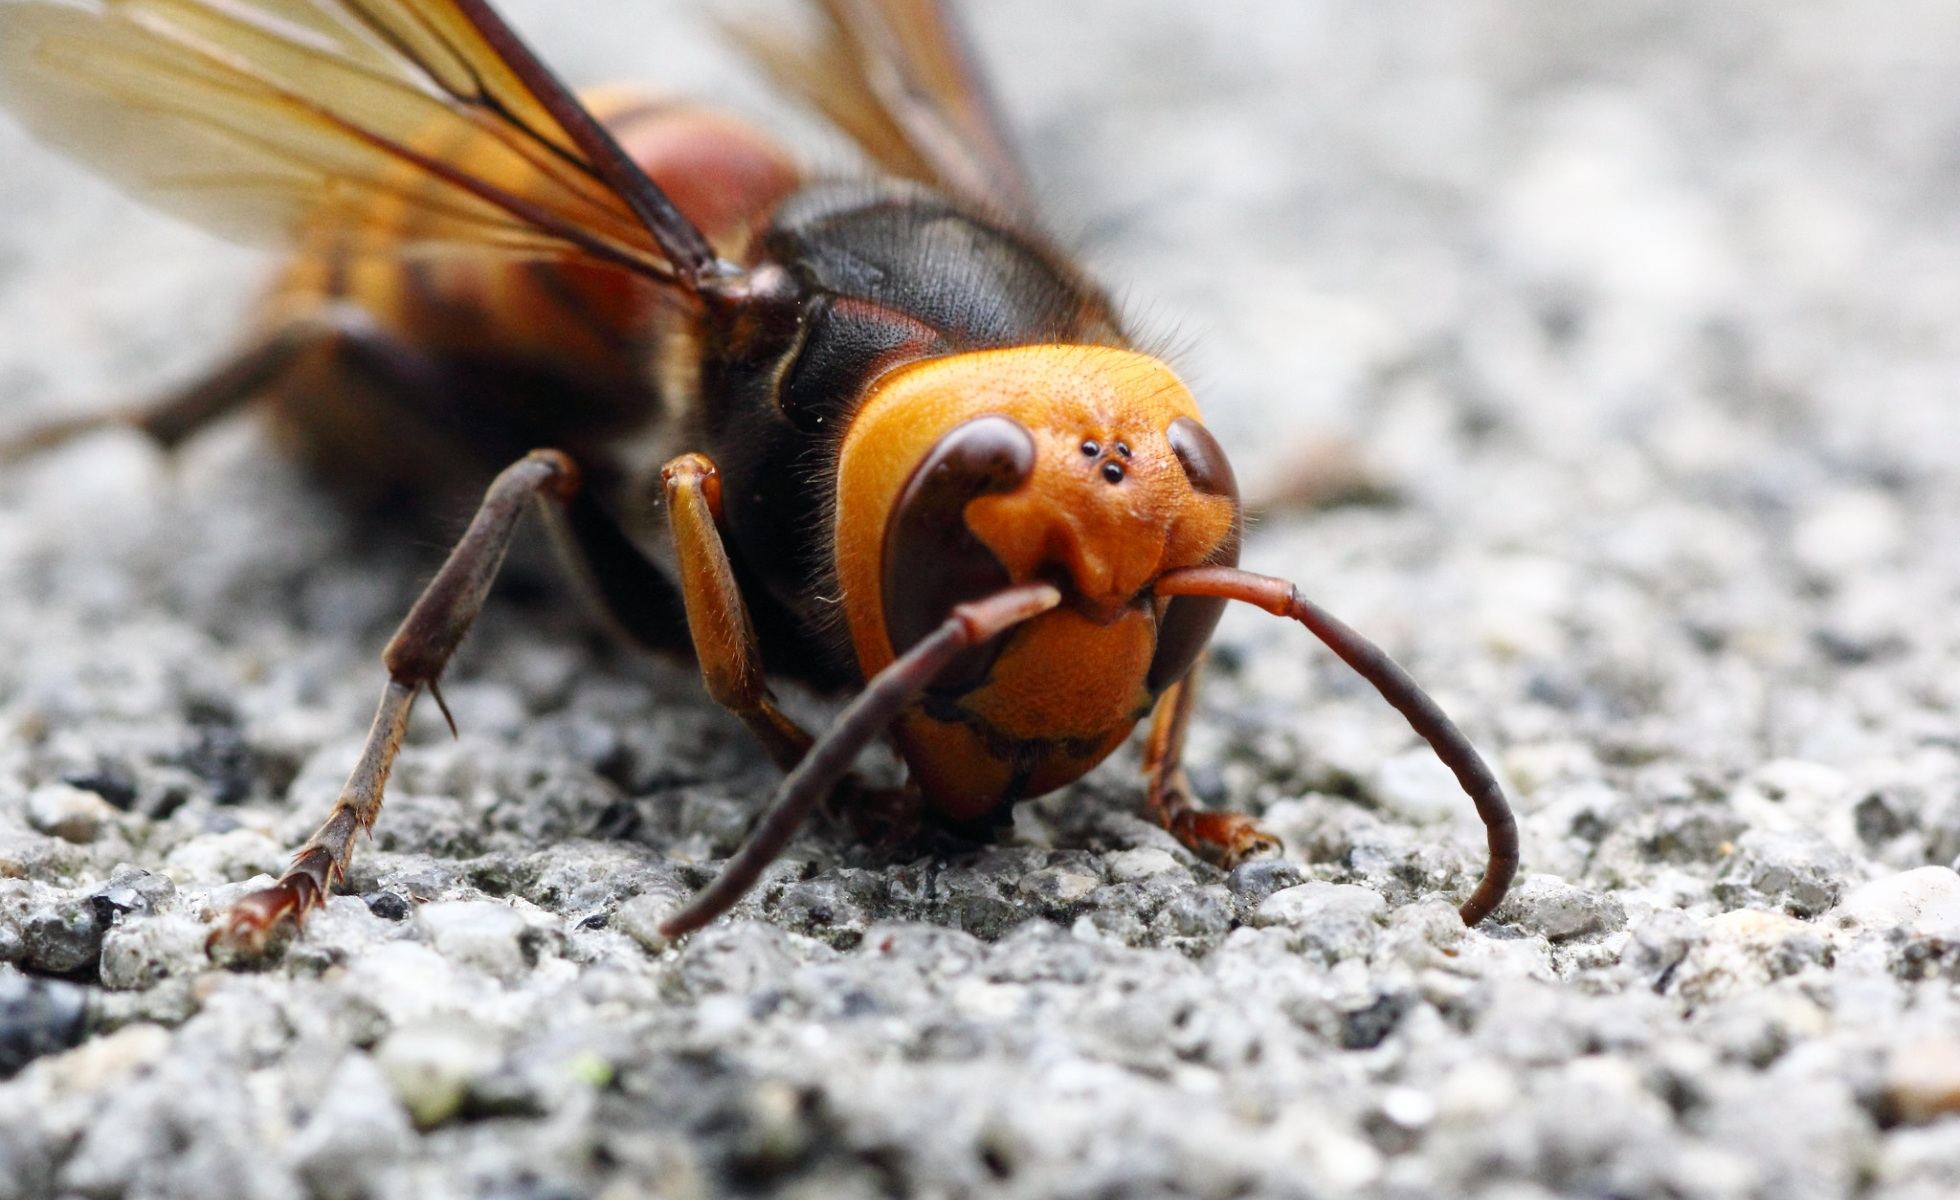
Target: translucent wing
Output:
{"points": [[397, 123], [896, 75]]}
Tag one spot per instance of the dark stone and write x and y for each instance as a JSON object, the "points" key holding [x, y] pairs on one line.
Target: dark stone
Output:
{"points": [[619, 821], [111, 781], [1366, 1028], [1882, 816], [133, 890], [1800, 873], [223, 759], [386, 905], [112, 902], [1694, 833], [1196, 913], [64, 939], [1253, 881], [37, 1017]]}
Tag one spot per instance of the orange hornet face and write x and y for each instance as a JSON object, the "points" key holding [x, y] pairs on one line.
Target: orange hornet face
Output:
{"points": [[1082, 466]]}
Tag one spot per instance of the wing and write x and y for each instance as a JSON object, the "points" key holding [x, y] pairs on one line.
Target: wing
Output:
{"points": [[897, 76], [406, 123]]}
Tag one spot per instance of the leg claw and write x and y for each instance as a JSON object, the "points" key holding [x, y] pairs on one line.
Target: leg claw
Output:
{"points": [[249, 927], [1226, 839]]}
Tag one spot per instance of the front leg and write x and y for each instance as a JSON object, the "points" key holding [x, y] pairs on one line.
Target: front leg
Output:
{"points": [[1225, 838], [731, 661], [415, 659], [717, 618]]}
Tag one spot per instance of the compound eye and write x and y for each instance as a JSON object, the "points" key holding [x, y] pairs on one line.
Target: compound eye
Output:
{"points": [[1203, 459], [1188, 620], [932, 559]]}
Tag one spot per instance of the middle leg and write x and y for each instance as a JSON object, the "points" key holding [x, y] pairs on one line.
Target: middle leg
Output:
{"points": [[1222, 837]]}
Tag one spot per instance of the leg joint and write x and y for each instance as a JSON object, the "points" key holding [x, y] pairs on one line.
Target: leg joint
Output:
{"points": [[560, 480], [694, 473]]}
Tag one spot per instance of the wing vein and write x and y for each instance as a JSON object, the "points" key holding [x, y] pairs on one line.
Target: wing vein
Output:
{"points": [[403, 123]]}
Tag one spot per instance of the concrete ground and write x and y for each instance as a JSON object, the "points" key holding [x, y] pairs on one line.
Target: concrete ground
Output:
{"points": [[1640, 323]]}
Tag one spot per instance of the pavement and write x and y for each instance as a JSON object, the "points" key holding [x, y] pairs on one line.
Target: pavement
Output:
{"points": [[1599, 361]]}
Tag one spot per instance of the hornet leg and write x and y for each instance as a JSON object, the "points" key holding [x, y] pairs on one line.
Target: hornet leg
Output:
{"points": [[731, 662], [1224, 838], [724, 636], [251, 372], [415, 659]]}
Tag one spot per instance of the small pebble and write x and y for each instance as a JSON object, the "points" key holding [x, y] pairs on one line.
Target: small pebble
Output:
{"points": [[1333, 920], [480, 933], [431, 1066], [1848, 530], [63, 938], [1924, 902], [1799, 872], [141, 953], [640, 917], [357, 1130], [1060, 886], [1922, 1079], [1559, 911], [1129, 866], [69, 813], [1253, 881], [37, 1017], [389, 906], [1745, 949]]}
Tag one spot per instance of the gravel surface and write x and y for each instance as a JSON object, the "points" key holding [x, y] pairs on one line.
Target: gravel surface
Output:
{"points": [[1640, 320]]}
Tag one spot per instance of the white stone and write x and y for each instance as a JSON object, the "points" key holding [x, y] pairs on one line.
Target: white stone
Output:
{"points": [[1743, 950], [1309, 903], [1923, 901], [1848, 530], [431, 1065], [1128, 866], [70, 813], [477, 933], [640, 917], [357, 1131]]}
